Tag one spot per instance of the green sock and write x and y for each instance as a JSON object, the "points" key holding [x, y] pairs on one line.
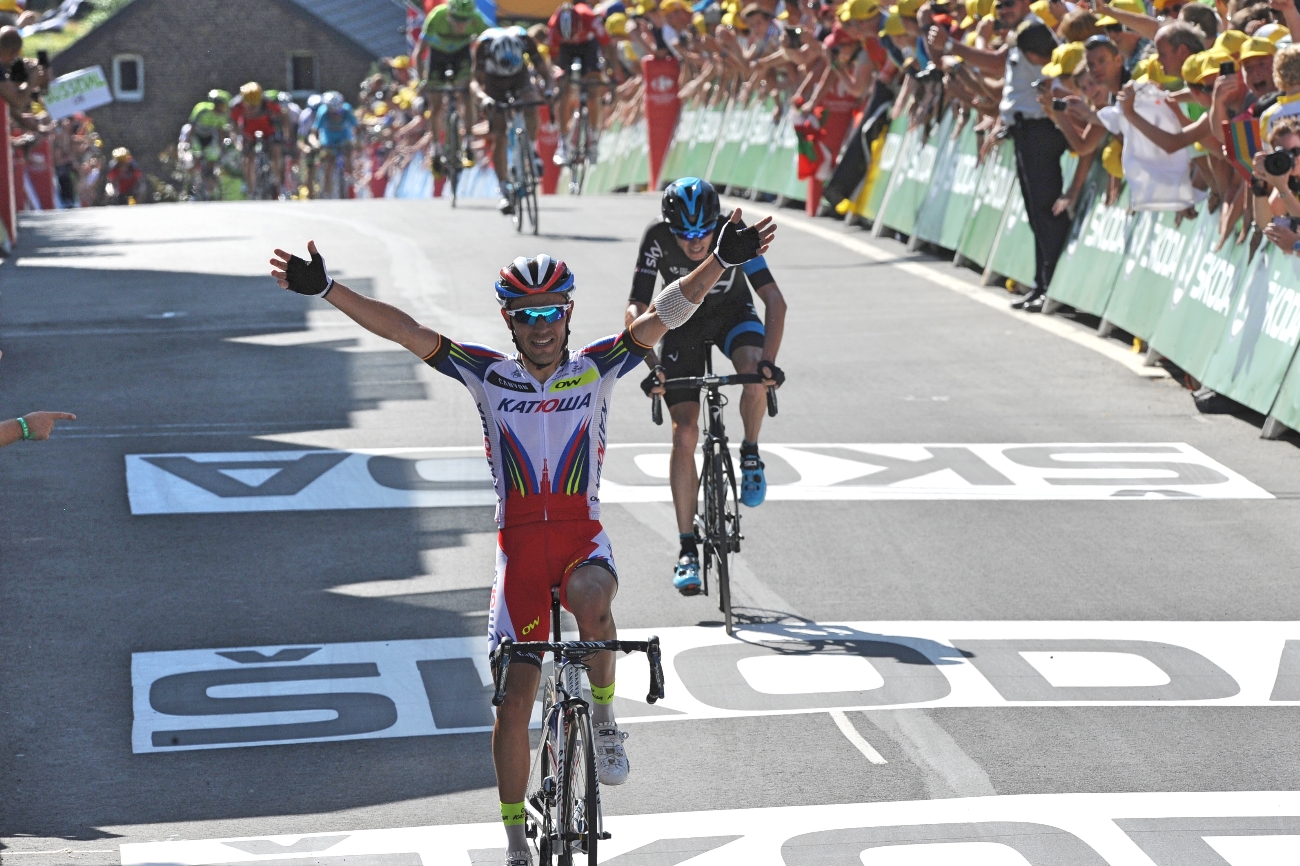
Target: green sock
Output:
{"points": [[602, 698], [512, 815]]}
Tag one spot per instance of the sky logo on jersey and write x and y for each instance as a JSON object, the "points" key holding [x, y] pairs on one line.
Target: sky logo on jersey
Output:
{"points": [[575, 382], [555, 404]]}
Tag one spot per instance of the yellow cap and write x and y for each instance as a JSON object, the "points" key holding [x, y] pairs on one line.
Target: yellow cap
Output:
{"points": [[701, 26], [893, 24], [858, 10], [1230, 40], [1274, 33], [379, 109], [1043, 10], [616, 24], [1112, 158], [975, 10], [1256, 48], [1134, 6], [10, 6], [1065, 59], [1195, 70], [401, 61], [909, 8], [672, 6]]}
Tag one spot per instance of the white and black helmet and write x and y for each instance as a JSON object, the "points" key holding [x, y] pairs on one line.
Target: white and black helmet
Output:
{"points": [[503, 51]]}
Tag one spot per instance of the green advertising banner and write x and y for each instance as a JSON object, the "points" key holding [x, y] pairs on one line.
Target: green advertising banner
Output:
{"points": [[961, 178], [997, 182], [733, 135], [682, 138], [889, 154], [780, 163], [598, 177], [759, 140], [1158, 243], [636, 157], [912, 181], [708, 129], [1095, 252], [1013, 251], [934, 206], [1200, 303], [1257, 347], [1286, 408]]}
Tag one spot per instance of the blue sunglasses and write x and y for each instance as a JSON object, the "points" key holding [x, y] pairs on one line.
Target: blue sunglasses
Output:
{"points": [[535, 315], [694, 234]]}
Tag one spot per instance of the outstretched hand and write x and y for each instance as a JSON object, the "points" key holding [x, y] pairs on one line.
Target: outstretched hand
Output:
{"points": [[737, 246], [41, 424], [299, 275]]}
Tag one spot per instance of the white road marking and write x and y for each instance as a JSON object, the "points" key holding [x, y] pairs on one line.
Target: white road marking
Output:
{"points": [[237, 697], [1041, 829], [1095, 669], [941, 275], [205, 482], [859, 742]]}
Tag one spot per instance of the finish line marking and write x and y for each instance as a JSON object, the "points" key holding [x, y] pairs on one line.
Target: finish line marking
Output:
{"points": [[1150, 829], [260, 696], [196, 483]]}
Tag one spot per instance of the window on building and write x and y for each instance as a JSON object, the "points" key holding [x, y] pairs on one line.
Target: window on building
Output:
{"points": [[128, 77], [302, 73]]}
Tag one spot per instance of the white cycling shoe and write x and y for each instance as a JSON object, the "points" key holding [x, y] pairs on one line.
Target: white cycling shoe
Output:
{"points": [[611, 759], [519, 858]]}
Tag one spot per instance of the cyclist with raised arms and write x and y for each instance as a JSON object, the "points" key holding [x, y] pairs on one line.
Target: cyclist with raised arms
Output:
{"points": [[577, 33], [545, 413], [449, 31], [501, 69], [674, 245]]}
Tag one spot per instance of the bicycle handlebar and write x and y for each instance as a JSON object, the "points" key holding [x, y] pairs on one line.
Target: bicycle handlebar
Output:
{"points": [[576, 649], [711, 382]]}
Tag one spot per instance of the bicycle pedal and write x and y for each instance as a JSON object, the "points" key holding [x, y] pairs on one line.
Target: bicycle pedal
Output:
{"points": [[604, 835]]}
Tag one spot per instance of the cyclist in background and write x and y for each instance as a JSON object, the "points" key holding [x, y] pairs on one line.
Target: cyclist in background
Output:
{"points": [[501, 69], [449, 31], [672, 246], [125, 180], [209, 121], [545, 455], [290, 114], [306, 156], [253, 114], [577, 33], [334, 131]]}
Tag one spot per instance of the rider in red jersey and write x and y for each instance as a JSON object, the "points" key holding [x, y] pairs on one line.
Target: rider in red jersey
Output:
{"points": [[578, 34], [251, 115]]}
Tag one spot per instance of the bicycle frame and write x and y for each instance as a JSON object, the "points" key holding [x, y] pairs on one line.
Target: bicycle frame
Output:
{"points": [[519, 162]]}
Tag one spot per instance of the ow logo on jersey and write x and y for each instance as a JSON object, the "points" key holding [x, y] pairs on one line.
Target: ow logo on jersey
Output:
{"points": [[568, 404], [575, 382]]}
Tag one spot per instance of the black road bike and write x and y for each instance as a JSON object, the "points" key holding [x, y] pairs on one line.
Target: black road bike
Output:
{"points": [[521, 171], [717, 515], [562, 803], [453, 130]]}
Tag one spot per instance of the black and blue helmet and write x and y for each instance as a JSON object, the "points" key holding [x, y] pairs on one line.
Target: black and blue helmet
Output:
{"points": [[690, 207]]}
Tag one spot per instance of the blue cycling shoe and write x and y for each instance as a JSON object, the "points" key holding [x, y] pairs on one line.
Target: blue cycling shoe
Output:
{"points": [[753, 483], [686, 575]]}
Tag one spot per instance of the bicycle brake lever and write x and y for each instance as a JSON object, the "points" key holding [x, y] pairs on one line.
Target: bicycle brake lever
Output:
{"points": [[656, 671], [656, 410], [500, 668], [771, 402]]}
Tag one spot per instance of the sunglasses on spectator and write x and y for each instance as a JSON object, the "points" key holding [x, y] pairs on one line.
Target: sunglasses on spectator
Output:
{"points": [[694, 234], [536, 315], [1006, 4], [1098, 41]]}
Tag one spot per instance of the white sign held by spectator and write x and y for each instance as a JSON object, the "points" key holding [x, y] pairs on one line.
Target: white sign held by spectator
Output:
{"points": [[77, 91]]}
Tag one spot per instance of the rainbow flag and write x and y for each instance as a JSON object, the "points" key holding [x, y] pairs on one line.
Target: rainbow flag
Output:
{"points": [[1241, 141]]}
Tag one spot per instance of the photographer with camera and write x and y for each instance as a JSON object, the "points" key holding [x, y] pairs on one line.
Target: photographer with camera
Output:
{"points": [[1276, 184]]}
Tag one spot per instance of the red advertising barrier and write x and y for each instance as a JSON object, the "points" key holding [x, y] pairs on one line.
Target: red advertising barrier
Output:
{"points": [[661, 108], [40, 171], [840, 106], [8, 205], [19, 176], [548, 140]]}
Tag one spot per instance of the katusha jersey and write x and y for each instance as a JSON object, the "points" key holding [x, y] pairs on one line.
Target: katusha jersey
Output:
{"points": [[545, 441]]}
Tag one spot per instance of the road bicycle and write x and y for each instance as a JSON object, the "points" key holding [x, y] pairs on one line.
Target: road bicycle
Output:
{"points": [[717, 517], [453, 138], [579, 144], [331, 177], [521, 171], [562, 806], [262, 185]]}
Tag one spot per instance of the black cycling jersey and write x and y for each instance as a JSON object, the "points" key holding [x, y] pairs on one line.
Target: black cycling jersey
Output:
{"points": [[660, 256]]}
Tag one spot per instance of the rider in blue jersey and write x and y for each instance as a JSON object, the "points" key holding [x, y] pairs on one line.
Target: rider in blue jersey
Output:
{"points": [[334, 129]]}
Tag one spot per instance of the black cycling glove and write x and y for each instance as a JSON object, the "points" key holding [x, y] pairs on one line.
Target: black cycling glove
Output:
{"points": [[736, 245], [308, 278], [768, 370], [652, 381]]}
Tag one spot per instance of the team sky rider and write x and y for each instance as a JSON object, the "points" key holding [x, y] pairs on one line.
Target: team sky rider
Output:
{"points": [[253, 114], [501, 68], [449, 31], [577, 33], [545, 416], [334, 130], [672, 246]]}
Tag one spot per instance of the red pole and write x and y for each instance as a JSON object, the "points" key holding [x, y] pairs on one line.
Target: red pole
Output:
{"points": [[661, 108], [8, 204], [548, 141]]}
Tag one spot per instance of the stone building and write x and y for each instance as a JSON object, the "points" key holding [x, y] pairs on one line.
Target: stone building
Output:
{"points": [[163, 56]]}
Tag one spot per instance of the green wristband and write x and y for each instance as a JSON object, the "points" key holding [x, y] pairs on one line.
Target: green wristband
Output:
{"points": [[22, 422]]}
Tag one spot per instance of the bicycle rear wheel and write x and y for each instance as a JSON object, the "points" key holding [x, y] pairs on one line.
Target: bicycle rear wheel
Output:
{"points": [[578, 156], [451, 152], [579, 796]]}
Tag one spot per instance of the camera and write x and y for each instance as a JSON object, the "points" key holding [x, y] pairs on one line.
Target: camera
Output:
{"points": [[1058, 105], [1279, 162], [1227, 68]]}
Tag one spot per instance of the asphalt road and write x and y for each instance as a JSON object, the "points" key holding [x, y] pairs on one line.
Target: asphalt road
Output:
{"points": [[1068, 643]]}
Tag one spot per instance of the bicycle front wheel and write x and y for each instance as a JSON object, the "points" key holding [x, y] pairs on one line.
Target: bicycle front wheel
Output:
{"points": [[719, 534], [451, 152], [579, 796]]}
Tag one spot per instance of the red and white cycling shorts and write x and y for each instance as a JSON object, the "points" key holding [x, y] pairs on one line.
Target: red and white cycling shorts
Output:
{"points": [[531, 559]]}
